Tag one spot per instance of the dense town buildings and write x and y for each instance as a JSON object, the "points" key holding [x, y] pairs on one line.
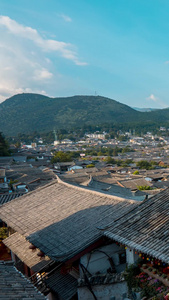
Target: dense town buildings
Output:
{"points": [[74, 226]]}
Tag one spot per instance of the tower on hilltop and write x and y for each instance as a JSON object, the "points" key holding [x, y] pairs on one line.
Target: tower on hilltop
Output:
{"points": [[56, 142]]}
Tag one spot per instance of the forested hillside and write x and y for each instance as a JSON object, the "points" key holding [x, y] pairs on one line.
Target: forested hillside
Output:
{"points": [[24, 113]]}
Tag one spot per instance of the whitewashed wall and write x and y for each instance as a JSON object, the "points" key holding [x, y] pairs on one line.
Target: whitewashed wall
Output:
{"points": [[98, 261], [131, 257]]}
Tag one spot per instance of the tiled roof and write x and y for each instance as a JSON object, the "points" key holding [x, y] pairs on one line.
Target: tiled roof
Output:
{"points": [[64, 285], [113, 189], [74, 178], [110, 178], [28, 174], [134, 183], [158, 172], [20, 246], [2, 172], [161, 184], [146, 228], [86, 170], [13, 285], [62, 164], [4, 198], [61, 219], [5, 160]]}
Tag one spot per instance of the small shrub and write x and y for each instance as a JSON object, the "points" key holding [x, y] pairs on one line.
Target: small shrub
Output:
{"points": [[136, 172], [90, 166], [130, 276], [143, 187], [3, 233]]}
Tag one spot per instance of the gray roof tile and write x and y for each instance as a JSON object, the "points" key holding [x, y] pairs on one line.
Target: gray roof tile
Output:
{"points": [[61, 219], [146, 228], [64, 285], [4, 198], [13, 285]]}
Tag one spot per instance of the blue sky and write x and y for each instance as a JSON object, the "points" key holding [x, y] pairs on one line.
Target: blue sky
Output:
{"points": [[117, 49]]}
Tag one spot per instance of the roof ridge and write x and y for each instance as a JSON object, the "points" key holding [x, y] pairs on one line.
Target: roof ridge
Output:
{"points": [[79, 188]]}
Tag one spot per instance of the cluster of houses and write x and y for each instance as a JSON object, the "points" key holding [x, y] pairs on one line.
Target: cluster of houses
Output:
{"points": [[72, 230], [74, 243]]}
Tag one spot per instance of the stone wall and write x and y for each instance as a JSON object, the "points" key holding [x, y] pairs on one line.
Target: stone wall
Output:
{"points": [[116, 291]]}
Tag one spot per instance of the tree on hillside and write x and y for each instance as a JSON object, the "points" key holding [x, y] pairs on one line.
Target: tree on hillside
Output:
{"points": [[4, 148]]}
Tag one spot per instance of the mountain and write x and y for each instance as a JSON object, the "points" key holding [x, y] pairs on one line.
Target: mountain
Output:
{"points": [[28, 112], [25, 113]]}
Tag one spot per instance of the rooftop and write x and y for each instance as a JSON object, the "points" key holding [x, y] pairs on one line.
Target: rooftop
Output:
{"points": [[133, 184], [20, 246], [61, 219], [4, 198], [146, 228], [64, 285], [13, 285]]}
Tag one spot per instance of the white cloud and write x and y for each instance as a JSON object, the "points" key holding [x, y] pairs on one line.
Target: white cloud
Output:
{"points": [[24, 61], [64, 49], [9, 90], [157, 100], [66, 18], [42, 74], [153, 98]]}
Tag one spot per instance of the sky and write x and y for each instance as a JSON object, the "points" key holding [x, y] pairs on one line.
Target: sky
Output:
{"points": [[116, 49]]}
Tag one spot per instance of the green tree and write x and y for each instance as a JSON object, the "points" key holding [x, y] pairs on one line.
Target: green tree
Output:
{"points": [[100, 153], [144, 164], [115, 151], [110, 160], [90, 166], [127, 149], [61, 156], [107, 136], [122, 138], [4, 148], [127, 162]]}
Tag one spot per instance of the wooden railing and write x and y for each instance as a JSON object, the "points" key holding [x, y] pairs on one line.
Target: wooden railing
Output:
{"points": [[165, 281]]}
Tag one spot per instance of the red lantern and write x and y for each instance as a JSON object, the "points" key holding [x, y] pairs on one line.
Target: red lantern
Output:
{"points": [[41, 254], [32, 247]]}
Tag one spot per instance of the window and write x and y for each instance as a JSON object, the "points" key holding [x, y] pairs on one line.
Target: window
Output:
{"points": [[122, 258]]}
